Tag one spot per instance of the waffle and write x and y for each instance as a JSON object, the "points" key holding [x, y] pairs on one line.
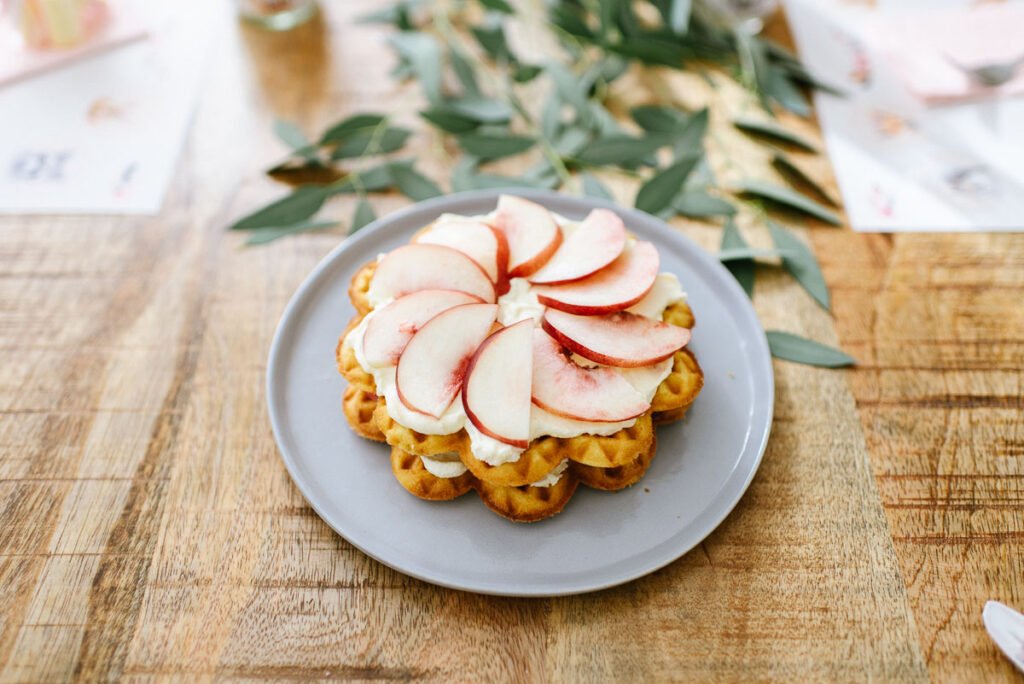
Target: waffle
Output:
{"points": [[607, 463], [617, 477], [359, 405], [528, 504], [411, 474]]}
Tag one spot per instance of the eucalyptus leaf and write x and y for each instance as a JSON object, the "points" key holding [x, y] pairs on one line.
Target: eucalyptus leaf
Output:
{"points": [[413, 184], [571, 141], [690, 139], [569, 21], [755, 66], [551, 118], [742, 270], [492, 40], [498, 6], [786, 94], [795, 175], [792, 347], [396, 15], [700, 204], [484, 146], [350, 126], [801, 263], [266, 235], [773, 131], [655, 196], [679, 16], [301, 204], [621, 148], [592, 187], [790, 199], [290, 134], [370, 142], [464, 71], [466, 177], [482, 109], [524, 73], [567, 85], [649, 51], [744, 253], [449, 121], [363, 215], [658, 119], [424, 54]]}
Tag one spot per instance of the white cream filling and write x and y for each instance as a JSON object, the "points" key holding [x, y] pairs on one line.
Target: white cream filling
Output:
{"points": [[516, 305], [445, 466], [553, 477]]}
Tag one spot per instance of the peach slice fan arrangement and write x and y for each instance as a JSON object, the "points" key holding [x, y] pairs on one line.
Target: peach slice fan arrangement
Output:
{"points": [[518, 355]]}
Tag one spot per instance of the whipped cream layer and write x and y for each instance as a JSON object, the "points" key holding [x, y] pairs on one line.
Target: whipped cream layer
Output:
{"points": [[518, 304]]}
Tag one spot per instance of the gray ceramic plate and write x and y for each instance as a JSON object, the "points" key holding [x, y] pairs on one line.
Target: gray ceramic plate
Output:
{"points": [[701, 470]]}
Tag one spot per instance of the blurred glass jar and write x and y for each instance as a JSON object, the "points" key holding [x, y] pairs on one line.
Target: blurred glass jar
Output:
{"points": [[744, 15], [277, 15], [58, 24]]}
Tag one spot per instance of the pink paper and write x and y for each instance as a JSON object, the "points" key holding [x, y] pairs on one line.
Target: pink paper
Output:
{"points": [[924, 47]]}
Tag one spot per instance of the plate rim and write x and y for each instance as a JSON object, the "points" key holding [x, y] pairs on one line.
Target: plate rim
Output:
{"points": [[760, 348]]}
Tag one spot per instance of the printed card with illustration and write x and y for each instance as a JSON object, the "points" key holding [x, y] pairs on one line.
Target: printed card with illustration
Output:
{"points": [[915, 144], [102, 134]]}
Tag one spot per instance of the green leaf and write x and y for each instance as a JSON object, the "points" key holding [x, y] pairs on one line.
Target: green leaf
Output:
{"points": [[743, 270], [571, 141], [463, 69], [773, 131], [396, 15], [424, 54], [524, 73], [699, 204], [650, 51], [744, 253], [493, 146], [679, 16], [799, 260], [656, 119], [290, 134], [363, 215], [592, 187], [482, 109], [465, 176], [498, 6], [551, 118], [413, 184], [567, 85], [370, 142], [786, 94], [795, 175], [373, 179], [656, 194], [620, 148], [449, 121], [301, 204], [792, 347], [569, 21], [350, 126], [788, 198], [492, 40], [265, 235], [690, 140], [754, 65]]}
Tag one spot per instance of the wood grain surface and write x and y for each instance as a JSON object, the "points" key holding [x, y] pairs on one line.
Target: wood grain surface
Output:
{"points": [[148, 528]]}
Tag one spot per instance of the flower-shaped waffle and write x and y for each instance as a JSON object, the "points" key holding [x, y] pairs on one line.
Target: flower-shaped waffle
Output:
{"points": [[518, 355]]}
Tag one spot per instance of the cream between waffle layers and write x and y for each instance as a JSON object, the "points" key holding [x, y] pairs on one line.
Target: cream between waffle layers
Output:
{"points": [[518, 351]]}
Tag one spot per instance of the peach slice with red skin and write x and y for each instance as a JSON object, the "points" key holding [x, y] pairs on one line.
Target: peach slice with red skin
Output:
{"points": [[614, 288], [531, 231], [562, 387], [392, 326], [479, 241], [496, 393], [597, 242], [622, 339], [415, 267], [433, 366]]}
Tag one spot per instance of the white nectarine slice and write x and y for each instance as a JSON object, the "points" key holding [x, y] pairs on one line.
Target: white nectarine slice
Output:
{"points": [[596, 242], [619, 339], [496, 392], [614, 288], [416, 267], [432, 367], [481, 243], [392, 326], [531, 231], [562, 387]]}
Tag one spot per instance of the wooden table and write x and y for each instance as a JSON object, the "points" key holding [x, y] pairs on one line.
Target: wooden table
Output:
{"points": [[149, 528]]}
